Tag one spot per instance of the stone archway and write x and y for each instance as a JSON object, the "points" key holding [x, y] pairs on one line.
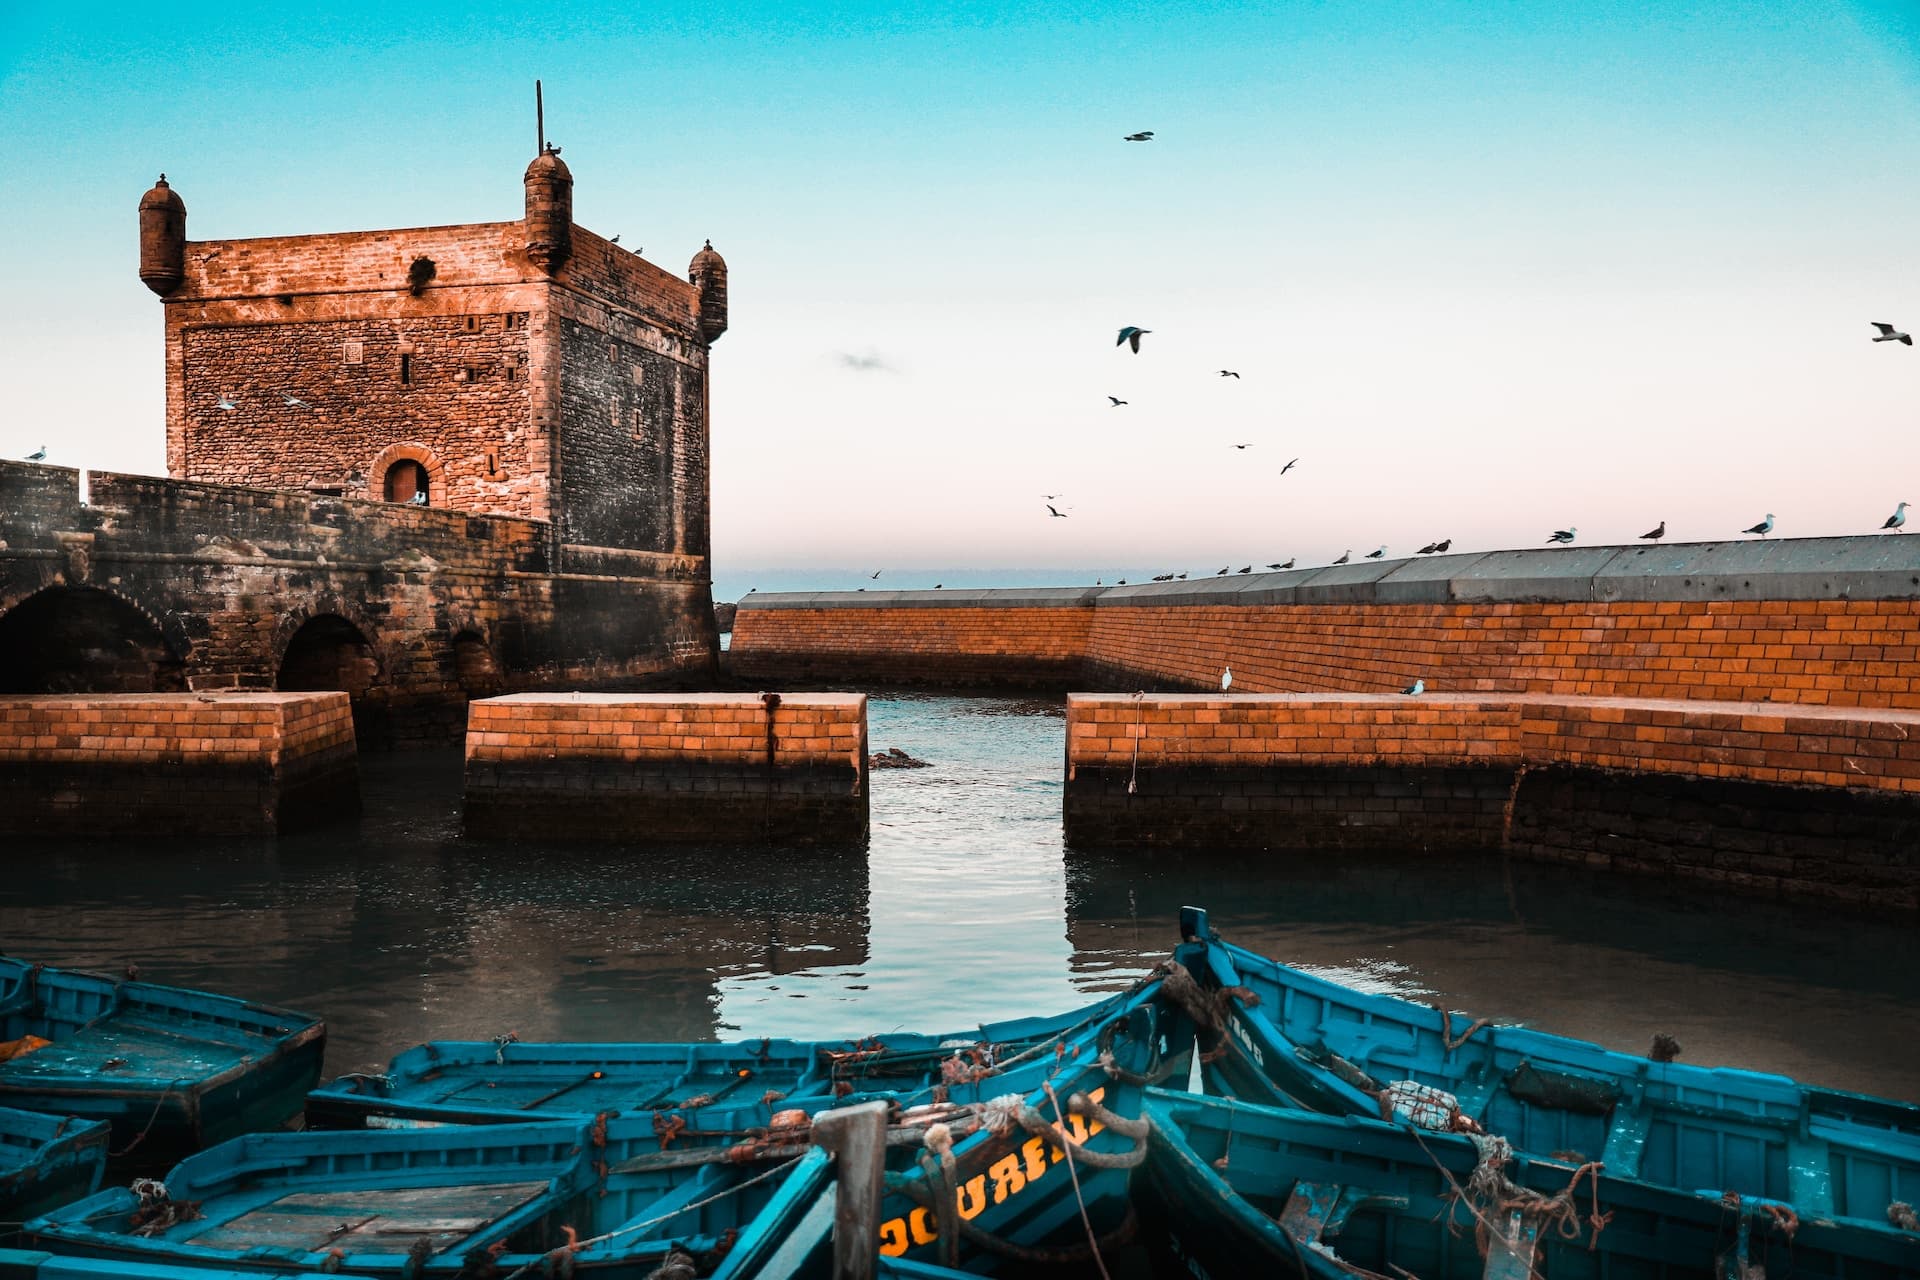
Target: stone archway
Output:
{"points": [[474, 668], [85, 640], [327, 652], [400, 470]]}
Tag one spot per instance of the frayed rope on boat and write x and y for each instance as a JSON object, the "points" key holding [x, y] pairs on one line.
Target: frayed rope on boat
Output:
{"points": [[158, 1210], [1901, 1215]]}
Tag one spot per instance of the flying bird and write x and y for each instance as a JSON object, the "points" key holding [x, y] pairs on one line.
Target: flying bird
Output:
{"points": [[1890, 334], [1117, 401], [224, 403], [1131, 335], [1656, 533], [1415, 689], [294, 401], [1345, 556], [1898, 518], [1053, 497], [1145, 135], [1055, 512], [1288, 467], [1228, 373], [1226, 680], [38, 455], [1764, 528], [875, 574], [1247, 445], [1565, 535]]}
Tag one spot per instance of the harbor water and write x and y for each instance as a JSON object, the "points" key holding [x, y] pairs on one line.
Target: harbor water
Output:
{"points": [[963, 907]]}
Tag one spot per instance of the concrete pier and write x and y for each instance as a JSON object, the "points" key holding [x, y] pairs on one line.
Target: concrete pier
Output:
{"points": [[1792, 800], [640, 768], [176, 764]]}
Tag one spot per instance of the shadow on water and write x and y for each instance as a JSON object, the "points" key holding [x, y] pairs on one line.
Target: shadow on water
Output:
{"points": [[962, 908]]}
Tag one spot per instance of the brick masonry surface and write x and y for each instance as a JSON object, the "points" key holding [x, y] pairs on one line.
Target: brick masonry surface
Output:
{"points": [[176, 764], [687, 767], [1793, 800]]}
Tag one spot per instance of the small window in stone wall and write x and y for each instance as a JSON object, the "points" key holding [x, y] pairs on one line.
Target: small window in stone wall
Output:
{"points": [[516, 320], [353, 352], [406, 368], [473, 324]]}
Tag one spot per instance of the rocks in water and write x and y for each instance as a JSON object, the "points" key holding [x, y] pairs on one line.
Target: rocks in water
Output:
{"points": [[894, 758]]}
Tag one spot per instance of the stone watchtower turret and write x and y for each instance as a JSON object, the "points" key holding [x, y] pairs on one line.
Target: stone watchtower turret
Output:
{"points": [[527, 368]]}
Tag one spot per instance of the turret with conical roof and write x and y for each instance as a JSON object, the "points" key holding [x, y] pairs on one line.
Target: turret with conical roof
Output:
{"points": [[163, 238], [708, 272], [549, 210]]}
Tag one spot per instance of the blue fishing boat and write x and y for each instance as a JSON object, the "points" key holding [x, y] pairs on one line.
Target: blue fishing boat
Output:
{"points": [[1292, 1039], [47, 1161], [511, 1081], [171, 1070], [1239, 1189], [1025, 1176]]}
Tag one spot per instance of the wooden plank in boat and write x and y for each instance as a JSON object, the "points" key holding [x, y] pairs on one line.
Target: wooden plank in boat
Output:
{"points": [[383, 1221]]}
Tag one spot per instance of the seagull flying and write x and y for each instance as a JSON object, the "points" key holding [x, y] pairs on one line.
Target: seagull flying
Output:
{"points": [[1145, 135], [1415, 689], [1890, 334], [1117, 401], [1226, 680], [1345, 556], [875, 574], [1228, 373], [1375, 555], [1656, 533], [1055, 512], [224, 403], [1053, 497], [1288, 467], [1898, 518], [1131, 335], [294, 401], [1764, 528], [38, 455], [1565, 535], [1247, 445]]}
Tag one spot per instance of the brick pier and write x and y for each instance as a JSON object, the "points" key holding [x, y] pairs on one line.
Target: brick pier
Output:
{"points": [[176, 764], [638, 768], [1792, 800]]}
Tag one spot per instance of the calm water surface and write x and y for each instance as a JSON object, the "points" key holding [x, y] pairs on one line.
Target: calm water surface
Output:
{"points": [[965, 907]]}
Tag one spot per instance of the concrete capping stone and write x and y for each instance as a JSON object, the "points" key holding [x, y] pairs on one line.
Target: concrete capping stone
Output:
{"points": [[1861, 567]]}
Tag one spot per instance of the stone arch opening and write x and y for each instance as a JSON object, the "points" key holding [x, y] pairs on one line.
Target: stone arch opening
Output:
{"points": [[474, 668], [402, 471], [85, 640], [407, 481], [327, 652]]}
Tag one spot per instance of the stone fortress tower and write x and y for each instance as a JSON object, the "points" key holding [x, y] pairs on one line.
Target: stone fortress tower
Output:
{"points": [[527, 368]]}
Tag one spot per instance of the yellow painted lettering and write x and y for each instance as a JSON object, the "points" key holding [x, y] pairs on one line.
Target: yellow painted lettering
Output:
{"points": [[893, 1237], [973, 1197], [1007, 1178], [920, 1224], [1034, 1151]]}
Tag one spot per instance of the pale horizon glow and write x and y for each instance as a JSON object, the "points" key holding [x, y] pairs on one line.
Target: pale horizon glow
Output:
{"points": [[1488, 271]]}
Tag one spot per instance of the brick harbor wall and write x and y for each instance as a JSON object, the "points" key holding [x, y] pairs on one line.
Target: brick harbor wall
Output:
{"points": [[689, 767], [1802, 801], [1824, 621], [1026, 638], [176, 764]]}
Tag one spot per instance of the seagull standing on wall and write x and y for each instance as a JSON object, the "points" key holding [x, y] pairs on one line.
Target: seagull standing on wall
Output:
{"points": [[1345, 556], [1656, 533], [1565, 535], [1131, 335], [1890, 334], [1375, 555], [1415, 689], [38, 455], [1897, 519], [1764, 528], [1226, 679]]}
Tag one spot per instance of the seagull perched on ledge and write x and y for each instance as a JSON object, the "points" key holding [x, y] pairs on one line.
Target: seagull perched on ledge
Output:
{"points": [[1345, 556], [38, 455], [1375, 555], [1898, 518], [1764, 528], [1890, 334], [1226, 680], [1565, 535], [1415, 689], [1656, 533]]}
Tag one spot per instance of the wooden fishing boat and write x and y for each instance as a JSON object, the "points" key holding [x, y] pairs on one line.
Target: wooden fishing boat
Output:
{"points": [[1290, 1038], [1238, 1189], [509, 1080], [616, 1195], [47, 1161], [171, 1070]]}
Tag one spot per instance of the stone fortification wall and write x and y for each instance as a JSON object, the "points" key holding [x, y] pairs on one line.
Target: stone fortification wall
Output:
{"points": [[1014, 637], [1828, 621], [176, 764], [156, 584], [690, 767], [1799, 800]]}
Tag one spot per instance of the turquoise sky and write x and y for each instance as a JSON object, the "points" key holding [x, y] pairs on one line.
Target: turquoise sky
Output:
{"points": [[1489, 269]]}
